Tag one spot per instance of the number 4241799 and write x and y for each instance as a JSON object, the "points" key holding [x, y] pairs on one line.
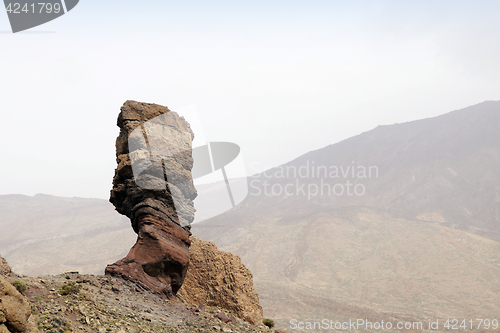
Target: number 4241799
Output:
{"points": [[41, 7], [455, 324]]}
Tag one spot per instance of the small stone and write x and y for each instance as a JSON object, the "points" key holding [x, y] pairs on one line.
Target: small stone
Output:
{"points": [[222, 317]]}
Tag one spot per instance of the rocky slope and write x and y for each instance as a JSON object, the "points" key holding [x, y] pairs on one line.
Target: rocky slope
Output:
{"points": [[217, 278], [107, 304], [352, 263], [73, 302]]}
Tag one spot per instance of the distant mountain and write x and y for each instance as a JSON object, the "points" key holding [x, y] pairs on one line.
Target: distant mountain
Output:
{"points": [[442, 169], [400, 220], [45, 234]]}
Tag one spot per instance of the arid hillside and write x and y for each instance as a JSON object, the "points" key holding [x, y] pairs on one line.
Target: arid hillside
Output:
{"points": [[419, 238]]}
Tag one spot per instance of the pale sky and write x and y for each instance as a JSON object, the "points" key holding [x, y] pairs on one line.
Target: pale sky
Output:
{"points": [[278, 78]]}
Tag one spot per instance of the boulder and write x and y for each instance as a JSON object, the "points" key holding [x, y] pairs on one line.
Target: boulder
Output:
{"points": [[15, 310]]}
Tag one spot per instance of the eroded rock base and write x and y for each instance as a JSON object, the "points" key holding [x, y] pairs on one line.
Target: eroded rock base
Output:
{"points": [[159, 259]]}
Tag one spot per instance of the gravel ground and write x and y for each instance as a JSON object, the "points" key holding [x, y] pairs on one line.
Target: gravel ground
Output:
{"points": [[107, 304]]}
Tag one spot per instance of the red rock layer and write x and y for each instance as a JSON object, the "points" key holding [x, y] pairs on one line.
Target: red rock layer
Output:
{"points": [[159, 259]]}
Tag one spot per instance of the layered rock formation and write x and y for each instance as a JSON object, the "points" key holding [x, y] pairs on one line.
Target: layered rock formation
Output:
{"points": [[153, 187], [4, 267], [218, 278], [15, 310]]}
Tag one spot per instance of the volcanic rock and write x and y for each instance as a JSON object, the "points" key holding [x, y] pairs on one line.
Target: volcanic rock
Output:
{"points": [[218, 278], [154, 188], [14, 310]]}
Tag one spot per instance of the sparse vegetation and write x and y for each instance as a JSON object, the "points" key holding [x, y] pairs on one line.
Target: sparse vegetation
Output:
{"points": [[69, 288], [20, 286], [85, 296], [268, 322]]}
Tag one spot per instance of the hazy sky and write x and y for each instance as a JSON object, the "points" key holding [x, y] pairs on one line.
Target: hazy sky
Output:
{"points": [[279, 78]]}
